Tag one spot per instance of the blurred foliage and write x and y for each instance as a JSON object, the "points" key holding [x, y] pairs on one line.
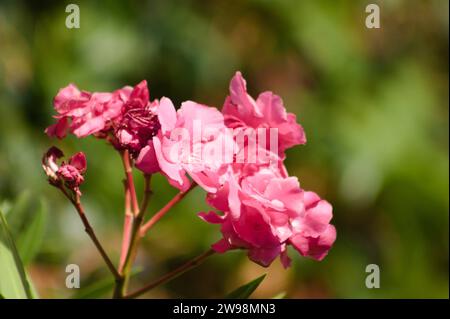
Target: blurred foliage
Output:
{"points": [[373, 102]]}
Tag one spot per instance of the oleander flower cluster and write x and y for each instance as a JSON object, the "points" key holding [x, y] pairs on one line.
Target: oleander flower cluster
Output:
{"points": [[236, 155]]}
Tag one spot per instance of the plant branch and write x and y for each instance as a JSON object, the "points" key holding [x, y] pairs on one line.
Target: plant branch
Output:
{"points": [[155, 218], [147, 193], [127, 165], [90, 231], [129, 254], [172, 275], [127, 224]]}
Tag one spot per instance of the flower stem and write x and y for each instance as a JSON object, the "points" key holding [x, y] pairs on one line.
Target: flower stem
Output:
{"points": [[155, 218], [129, 254], [172, 275], [126, 160], [127, 224], [90, 231]]}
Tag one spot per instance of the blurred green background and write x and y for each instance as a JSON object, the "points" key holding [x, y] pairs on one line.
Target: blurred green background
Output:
{"points": [[373, 102]]}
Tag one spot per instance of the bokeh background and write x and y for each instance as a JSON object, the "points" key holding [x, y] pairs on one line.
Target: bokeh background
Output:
{"points": [[373, 102]]}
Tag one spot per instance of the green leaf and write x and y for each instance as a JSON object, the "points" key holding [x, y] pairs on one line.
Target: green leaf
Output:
{"points": [[30, 240], [34, 293], [13, 278], [5, 206], [19, 211], [281, 295], [246, 290]]}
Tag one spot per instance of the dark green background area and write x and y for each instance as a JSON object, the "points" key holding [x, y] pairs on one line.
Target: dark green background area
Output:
{"points": [[373, 102]]}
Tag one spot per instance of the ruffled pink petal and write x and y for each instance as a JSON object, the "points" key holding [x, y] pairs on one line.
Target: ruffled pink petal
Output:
{"points": [[315, 248], [211, 217], [310, 199], [245, 104], [317, 218], [59, 129], [207, 180], [167, 115], [79, 162], [86, 128], [264, 256], [254, 228], [174, 171], [288, 191], [140, 93], [272, 108], [200, 120], [219, 199], [66, 98], [221, 246]]}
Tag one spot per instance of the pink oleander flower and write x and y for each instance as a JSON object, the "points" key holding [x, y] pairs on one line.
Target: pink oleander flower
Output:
{"points": [[241, 111], [83, 113], [139, 120], [265, 212], [69, 174], [127, 117], [191, 141]]}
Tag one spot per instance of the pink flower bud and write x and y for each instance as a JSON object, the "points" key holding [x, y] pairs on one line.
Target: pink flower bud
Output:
{"points": [[68, 174]]}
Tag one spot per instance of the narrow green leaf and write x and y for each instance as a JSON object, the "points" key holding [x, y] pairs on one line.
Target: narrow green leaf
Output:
{"points": [[34, 293], [19, 211], [13, 278], [5, 207], [30, 239], [281, 295], [246, 290]]}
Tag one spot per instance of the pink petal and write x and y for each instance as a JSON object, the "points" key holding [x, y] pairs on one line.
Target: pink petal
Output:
{"points": [[59, 129], [175, 173], [86, 128], [310, 199], [284, 258], [79, 162], [221, 246], [272, 108], [211, 217], [316, 248], [140, 92], [66, 95], [167, 115], [264, 256], [147, 161], [318, 217], [246, 106]]}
